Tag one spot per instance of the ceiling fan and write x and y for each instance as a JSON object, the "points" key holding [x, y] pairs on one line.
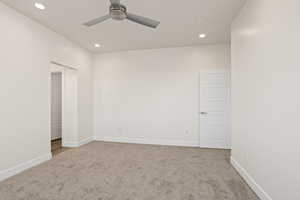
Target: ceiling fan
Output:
{"points": [[117, 11]]}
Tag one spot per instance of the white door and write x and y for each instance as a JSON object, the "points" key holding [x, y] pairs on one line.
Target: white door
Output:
{"points": [[214, 109]]}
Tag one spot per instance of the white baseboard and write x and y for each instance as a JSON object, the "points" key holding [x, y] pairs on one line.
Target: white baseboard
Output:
{"points": [[55, 138], [86, 141], [5, 174], [250, 181], [74, 144], [70, 144], [149, 141], [26, 165]]}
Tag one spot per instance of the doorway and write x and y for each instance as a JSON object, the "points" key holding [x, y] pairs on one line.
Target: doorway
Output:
{"points": [[63, 106], [215, 109], [56, 112]]}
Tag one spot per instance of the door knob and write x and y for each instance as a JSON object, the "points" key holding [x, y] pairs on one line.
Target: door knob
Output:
{"points": [[203, 113]]}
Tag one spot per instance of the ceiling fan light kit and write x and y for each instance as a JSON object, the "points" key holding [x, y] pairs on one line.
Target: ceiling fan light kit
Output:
{"points": [[117, 11]]}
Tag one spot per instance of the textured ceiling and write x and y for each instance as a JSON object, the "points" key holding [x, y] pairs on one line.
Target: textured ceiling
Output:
{"points": [[181, 22]]}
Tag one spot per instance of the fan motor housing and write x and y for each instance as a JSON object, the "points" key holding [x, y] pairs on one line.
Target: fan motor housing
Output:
{"points": [[118, 12]]}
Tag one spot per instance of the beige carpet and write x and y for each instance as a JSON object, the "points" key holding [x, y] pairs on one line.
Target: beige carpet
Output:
{"points": [[111, 171]]}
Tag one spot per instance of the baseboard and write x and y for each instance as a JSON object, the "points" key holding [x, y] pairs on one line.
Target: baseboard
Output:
{"points": [[149, 141], [70, 144], [73, 144], [55, 138], [5, 174], [86, 141], [250, 181]]}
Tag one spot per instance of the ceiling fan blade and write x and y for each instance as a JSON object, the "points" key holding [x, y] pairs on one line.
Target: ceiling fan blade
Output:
{"points": [[142, 20], [96, 21], [115, 1]]}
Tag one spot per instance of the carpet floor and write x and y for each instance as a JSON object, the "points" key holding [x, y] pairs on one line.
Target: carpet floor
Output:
{"points": [[112, 171]]}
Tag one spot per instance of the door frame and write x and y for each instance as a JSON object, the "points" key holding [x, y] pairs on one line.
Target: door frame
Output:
{"points": [[57, 67]]}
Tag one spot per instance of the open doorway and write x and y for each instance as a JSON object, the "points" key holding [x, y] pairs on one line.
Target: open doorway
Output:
{"points": [[63, 106], [56, 113]]}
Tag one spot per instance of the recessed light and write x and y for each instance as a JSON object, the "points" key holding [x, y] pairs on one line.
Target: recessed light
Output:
{"points": [[202, 35], [97, 45], [39, 6]]}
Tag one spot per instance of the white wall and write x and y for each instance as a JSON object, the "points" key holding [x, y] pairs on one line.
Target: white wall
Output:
{"points": [[266, 97], [70, 133], [151, 96], [25, 54]]}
